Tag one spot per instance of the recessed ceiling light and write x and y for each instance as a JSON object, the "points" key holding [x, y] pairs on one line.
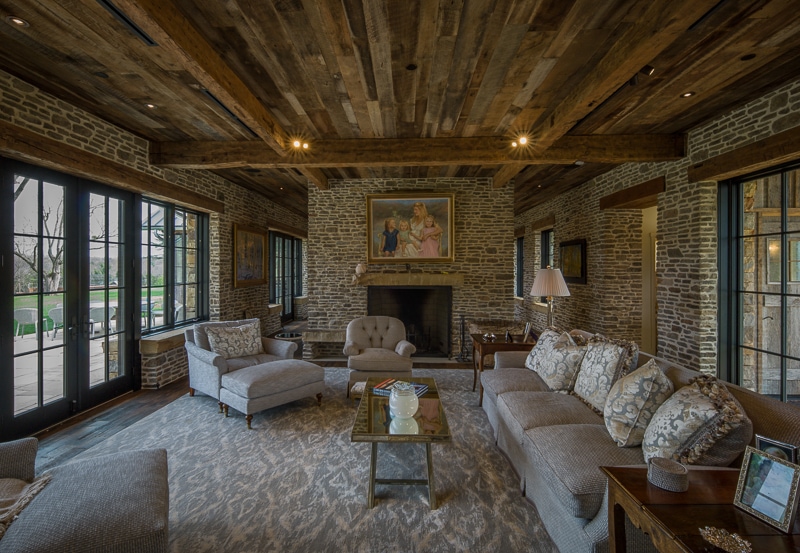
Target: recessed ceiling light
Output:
{"points": [[151, 106], [747, 57], [18, 21], [411, 66], [688, 94], [579, 162], [648, 70]]}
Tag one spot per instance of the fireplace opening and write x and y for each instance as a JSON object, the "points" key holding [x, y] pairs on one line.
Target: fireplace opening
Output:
{"points": [[424, 310]]}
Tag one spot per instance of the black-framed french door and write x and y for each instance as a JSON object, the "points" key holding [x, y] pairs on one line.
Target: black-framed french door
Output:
{"points": [[67, 291], [285, 271]]}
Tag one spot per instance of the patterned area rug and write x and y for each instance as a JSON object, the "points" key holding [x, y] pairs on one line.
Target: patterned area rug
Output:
{"points": [[295, 482]]}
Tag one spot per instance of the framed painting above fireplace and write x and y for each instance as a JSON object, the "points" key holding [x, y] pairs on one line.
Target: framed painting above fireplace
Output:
{"points": [[410, 228]]}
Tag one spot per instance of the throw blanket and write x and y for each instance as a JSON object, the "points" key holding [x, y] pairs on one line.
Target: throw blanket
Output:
{"points": [[14, 497]]}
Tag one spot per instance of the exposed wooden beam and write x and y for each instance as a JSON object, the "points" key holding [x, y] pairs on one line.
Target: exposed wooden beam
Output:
{"points": [[779, 148], [651, 33], [164, 22], [24, 145], [639, 196], [428, 152], [544, 222]]}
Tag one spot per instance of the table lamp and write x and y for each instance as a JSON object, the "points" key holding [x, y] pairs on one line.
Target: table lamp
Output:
{"points": [[549, 283]]}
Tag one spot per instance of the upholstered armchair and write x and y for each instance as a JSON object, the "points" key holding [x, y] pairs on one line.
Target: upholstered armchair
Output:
{"points": [[214, 349], [377, 347]]}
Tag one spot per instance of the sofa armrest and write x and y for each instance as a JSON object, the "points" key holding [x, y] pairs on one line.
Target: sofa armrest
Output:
{"points": [[351, 348], [282, 348], [510, 359], [18, 459], [405, 348], [207, 357]]}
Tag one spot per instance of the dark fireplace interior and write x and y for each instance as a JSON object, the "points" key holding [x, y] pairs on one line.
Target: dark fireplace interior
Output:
{"points": [[425, 310]]}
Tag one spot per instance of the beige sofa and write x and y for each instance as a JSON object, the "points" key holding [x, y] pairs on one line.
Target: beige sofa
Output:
{"points": [[556, 442]]}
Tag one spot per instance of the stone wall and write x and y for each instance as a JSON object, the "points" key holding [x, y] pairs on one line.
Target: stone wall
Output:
{"points": [[610, 302], [26, 106], [337, 237]]}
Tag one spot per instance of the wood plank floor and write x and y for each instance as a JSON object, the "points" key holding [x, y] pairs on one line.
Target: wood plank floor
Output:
{"points": [[63, 442]]}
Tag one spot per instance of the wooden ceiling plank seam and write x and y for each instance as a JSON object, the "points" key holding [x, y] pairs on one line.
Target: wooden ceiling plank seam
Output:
{"points": [[426, 40], [660, 24], [404, 22], [166, 24]]}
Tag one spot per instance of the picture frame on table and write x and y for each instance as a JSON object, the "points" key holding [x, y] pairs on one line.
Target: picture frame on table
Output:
{"points": [[768, 488], [409, 228], [787, 452], [572, 258], [249, 256]]}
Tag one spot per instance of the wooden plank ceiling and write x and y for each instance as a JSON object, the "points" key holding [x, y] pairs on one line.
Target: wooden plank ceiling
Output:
{"points": [[404, 88]]}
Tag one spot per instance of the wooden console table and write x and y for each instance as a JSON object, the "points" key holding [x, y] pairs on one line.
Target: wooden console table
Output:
{"points": [[481, 347], [673, 520]]}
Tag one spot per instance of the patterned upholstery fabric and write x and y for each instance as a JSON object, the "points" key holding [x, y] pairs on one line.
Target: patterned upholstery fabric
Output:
{"points": [[235, 341], [543, 345], [559, 367], [701, 423], [605, 362], [633, 400]]}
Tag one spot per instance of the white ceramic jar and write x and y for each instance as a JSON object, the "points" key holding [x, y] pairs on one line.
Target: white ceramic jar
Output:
{"points": [[403, 402]]}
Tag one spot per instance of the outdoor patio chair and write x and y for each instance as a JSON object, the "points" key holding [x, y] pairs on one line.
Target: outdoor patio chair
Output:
{"points": [[56, 315], [27, 316]]}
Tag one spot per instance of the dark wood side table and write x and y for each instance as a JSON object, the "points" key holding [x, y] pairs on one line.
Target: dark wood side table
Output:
{"points": [[673, 520], [481, 348]]}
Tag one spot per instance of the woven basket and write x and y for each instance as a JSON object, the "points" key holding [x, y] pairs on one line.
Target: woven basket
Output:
{"points": [[667, 474]]}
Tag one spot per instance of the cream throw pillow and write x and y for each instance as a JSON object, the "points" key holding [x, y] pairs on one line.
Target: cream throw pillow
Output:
{"points": [[559, 367], [235, 341], [632, 402], [543, 346], [605, 362], [700, 424]]}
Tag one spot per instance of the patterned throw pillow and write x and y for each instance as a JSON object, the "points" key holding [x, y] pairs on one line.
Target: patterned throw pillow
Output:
{"points": [[702, 423], [559, 367], [543, 345], [605, 362], [235, 341], [632, 402]]}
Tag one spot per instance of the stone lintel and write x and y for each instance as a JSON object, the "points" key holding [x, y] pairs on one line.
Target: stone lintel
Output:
{"points": [[410, 279]]}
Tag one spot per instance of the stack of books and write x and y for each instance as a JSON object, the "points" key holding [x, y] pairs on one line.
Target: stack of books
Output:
{"points": [[385, 388]]}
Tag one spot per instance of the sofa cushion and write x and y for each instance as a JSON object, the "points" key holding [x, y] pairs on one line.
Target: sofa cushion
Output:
{"points": [[569, 458], [605, 362], [272, 378], [543, 345], [235, 341], [379, 359], [702, 423], [559, 367], [521, 411], [633, 400], [500, 381]]}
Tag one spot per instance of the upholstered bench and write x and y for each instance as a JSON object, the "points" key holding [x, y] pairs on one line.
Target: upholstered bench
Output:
{"points": [[253, 389]]}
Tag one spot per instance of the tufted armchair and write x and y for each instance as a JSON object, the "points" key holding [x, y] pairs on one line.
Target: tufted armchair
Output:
{"points": [[377, 347], [206, 366]]}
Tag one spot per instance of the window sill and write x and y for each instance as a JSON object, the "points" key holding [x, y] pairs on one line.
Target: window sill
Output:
{"points": [[153, 344]]}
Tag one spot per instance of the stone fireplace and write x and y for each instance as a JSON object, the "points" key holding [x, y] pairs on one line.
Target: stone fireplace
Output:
{"points": [[424, 310]]}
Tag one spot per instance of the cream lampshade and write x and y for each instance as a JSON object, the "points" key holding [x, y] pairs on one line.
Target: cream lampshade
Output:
{"points": [[549, 283]]}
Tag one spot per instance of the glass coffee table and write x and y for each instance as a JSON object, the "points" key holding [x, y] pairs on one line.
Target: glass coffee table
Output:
{"points": [[374, 424]]}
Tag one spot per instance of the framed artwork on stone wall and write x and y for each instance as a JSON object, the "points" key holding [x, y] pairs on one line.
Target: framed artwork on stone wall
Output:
{"points": [[249, 257], [410, 228], [572, 256]]}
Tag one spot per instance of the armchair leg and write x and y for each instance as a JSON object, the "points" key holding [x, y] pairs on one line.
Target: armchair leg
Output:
{"points": [[224, 408], [249, 419], [191, 391], [319, 399]]}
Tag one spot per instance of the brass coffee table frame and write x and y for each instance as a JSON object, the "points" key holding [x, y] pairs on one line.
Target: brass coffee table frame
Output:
{"points": [[369, 426]]}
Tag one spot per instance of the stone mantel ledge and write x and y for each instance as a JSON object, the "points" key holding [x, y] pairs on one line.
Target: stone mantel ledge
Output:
{"points": [[410, 279]]}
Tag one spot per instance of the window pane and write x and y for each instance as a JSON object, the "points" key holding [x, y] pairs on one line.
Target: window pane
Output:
{"points": [[26, 205], [761, 372]]}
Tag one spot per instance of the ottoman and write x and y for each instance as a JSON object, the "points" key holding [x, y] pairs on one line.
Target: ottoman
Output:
{"points": [[267, 385]]}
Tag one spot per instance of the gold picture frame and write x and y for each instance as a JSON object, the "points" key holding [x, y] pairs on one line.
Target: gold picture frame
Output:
{"points": [[399, 229], [249, 257], [768, 488], [572, 256]]}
